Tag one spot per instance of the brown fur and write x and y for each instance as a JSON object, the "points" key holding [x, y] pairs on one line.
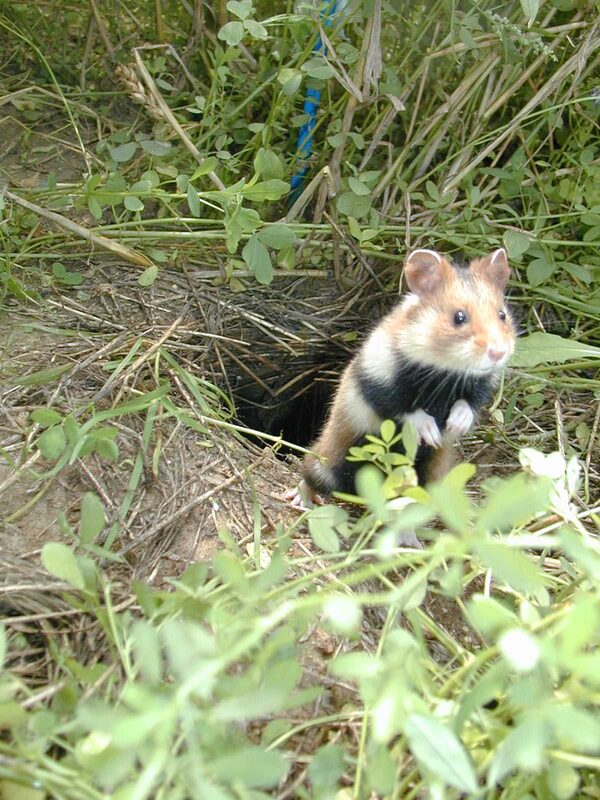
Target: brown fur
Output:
{"points": [[337, 435], [440, 463], [423, 328]]}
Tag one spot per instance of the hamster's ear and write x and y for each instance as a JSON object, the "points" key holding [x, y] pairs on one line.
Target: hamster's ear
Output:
{"points": [[425, 271], [495, 268]]}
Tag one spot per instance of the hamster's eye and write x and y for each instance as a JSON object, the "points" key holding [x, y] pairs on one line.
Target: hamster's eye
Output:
{"points": [[460, 318], [502, 314]]}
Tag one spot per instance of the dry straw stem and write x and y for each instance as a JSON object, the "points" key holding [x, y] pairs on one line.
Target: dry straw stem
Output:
{"points": [[575, 64], [365, 84], [100, 241], [128, 77], [170, 117]]}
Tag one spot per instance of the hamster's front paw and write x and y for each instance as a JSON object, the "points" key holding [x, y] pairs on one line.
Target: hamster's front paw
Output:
{"points": [[426, 427], [460, 420], [303, 497]]}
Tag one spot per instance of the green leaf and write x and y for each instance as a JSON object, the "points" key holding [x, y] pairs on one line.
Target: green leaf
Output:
{"points": [[133, 203], [539, 270], [318, 67], [356, 666], [92, 520], [73, 279], [322, 522], [256, 704], [410, 440], [46, 417], [240, 8], [343, 613], [510, 566], [358, 187], [208, 165], [94, 208], [42, 377], [251, 766], [60, 561], [11, 790], [141, 186], [548, 348], [388, 430], [326, 768], [381, 770], [232, 33], [248, 219], [290, 80], [515, 501], [353, 205], [530, 9], [124, 152], [267, 164], [277, 236], [256, 255], [106, 449], [441, 752], [148, 276], [52, 442], [146, 646], [193, 201], [575, 729], [523, 749], [272, 189], [563, 780], [255, 29], [452, 504], [516, 244], [155, 148], [489, 615]]}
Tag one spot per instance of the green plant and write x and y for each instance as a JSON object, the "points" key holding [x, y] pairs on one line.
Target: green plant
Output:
{"points": [[171, 706]]}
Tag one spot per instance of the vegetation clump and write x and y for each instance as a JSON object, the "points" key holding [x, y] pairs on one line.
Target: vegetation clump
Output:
{"points": [[202, 208]]}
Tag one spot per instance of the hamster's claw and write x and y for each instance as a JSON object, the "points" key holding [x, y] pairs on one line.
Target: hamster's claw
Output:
{"points": [[303, 497]]}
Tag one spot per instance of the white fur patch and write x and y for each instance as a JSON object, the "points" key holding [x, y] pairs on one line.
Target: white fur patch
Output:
{"points": [[359, 413], [460, 420], [426, 427], [377, 359], [323, 473], [410, 301]]}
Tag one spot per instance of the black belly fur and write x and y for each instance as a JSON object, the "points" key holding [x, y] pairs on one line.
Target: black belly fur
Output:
{"points": [[414, 387]]}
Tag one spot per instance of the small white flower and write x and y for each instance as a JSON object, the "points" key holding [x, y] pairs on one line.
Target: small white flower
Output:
{"points": [[520, 649]]}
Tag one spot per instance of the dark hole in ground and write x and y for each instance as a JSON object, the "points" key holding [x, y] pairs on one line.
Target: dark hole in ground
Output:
{"points": [[297, 403], [301, 338]]}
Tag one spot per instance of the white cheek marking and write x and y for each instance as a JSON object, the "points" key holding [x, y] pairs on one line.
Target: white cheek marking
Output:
{"points": [[377, 359], [359, 413]]}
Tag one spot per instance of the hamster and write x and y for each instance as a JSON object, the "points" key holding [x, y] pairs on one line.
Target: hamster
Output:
{"points": [[434, 360]]}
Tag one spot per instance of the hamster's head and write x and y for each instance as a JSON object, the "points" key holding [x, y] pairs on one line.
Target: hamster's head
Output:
{"points": [[456, 317]]}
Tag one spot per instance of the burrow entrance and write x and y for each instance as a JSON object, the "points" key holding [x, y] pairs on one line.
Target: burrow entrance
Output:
{"points": [[297, 410], [287, 349]]}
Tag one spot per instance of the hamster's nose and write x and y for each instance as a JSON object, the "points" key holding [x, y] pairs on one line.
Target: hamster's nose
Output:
{"points": [[496, 354]]}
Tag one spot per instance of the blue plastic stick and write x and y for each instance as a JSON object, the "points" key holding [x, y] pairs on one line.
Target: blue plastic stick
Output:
{"points": [[311, 104]]}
